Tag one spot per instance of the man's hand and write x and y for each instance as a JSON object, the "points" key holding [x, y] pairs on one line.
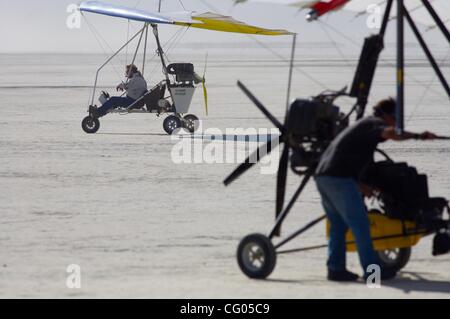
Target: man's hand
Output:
{"points": [[120, 87]]}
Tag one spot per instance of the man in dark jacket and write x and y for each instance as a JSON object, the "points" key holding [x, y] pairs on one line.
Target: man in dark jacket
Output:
{"points": [[337, 178]]}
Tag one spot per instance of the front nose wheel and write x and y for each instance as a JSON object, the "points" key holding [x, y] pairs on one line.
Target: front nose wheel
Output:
{"points": [[171, 123], [256, 256], [90, 125]]}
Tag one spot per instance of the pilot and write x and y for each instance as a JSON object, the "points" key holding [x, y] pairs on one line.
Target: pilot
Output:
{"points": [[135, 88], [337, 176]]}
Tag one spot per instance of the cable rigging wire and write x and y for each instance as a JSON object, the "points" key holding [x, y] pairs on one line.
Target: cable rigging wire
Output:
{"points": [[279, 56], [98, 38], [425, 91], [335, 45]]}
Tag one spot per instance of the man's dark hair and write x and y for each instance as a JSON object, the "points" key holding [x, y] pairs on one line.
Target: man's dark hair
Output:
{"points": [[385, 107], [132, 69]]}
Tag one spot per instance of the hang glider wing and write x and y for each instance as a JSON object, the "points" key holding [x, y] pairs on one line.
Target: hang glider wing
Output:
{"points": [[293, 3], [318, 8], [124, 12], [363, 7], [209, 21], [217, 22], [322, 7]]}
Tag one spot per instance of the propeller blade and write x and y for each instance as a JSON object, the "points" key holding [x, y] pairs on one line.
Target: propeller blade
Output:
{"points": [[281, 184], [205, 96], [205, 91], [262, 151], [238, 172], [261, 107], [206, 65]]}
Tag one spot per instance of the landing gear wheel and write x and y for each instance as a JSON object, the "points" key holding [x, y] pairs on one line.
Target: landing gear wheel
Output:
{"points": [[171, 123], [191, 123], [90, 125], [394, 259], [256, 256]]}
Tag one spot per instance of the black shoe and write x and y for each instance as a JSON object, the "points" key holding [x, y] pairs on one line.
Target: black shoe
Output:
{"points": [[93, 112], [343, 275]]}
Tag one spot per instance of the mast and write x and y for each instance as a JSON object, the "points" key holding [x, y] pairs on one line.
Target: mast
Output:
{"points": [[145, 49], [291, 68], [161, 55], [160, 51], [158, 43], [400, 68]]}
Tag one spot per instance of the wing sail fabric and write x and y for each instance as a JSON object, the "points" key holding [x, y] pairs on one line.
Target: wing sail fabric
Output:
{"points": [[209, 21], [318, 8], [293, 3], [217, 22], [124, 12]]}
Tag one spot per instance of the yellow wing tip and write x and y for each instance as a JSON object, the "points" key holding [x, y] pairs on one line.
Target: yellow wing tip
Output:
{"points": [[216, 22]]}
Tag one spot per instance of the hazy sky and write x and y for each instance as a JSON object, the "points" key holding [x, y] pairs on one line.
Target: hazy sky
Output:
{"points": [[40, 26]]}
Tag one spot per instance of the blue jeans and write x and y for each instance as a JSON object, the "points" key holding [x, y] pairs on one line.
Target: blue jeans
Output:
{"points": [[344, 206], [114, 102]]}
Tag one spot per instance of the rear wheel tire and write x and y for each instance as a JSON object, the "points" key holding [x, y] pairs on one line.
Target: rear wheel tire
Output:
{"points": [[394, 259], [191, 123], [256, 256], [171, 123], [90, 125]]}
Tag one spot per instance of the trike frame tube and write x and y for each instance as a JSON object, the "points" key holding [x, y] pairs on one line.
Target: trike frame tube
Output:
{"points": [[288, 208], [109, 60], [418, 232], [427, 51]]}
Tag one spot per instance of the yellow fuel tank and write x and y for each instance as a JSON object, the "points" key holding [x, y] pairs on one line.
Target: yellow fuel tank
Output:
{"points": [[382, 226]]}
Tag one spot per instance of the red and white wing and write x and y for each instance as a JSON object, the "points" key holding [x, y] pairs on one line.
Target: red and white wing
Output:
{"points": [[362, 7]]}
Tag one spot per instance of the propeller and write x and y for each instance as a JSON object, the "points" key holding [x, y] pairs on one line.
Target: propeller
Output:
{"points": [[261, 107], [265, 150], [205, 91], [281, 183], [262, 151]]}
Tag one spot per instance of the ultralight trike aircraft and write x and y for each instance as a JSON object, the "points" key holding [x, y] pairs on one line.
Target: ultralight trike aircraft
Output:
{"points": [[405, 211], [173, 95]]}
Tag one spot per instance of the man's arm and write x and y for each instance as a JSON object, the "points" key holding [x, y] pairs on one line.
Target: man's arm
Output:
{"points": [[389, 133]]}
